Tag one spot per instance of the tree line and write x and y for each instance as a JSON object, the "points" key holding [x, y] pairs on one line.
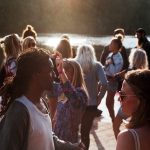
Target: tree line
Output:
{"points": [[91, 17]]}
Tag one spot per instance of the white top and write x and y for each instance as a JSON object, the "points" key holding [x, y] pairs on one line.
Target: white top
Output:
{"points": [[40, 132], [114, 63], [136, 139]]}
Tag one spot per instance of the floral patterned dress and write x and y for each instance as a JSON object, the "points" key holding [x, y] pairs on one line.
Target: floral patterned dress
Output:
{"points": [[69, 113]]}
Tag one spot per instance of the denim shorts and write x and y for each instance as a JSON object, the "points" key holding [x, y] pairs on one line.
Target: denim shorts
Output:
{"points": [[112, 85]]}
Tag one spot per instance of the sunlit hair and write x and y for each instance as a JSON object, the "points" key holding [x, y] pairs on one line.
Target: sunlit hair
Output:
{"points": [[28, 42], [29, 31], [119, 36], [2, 57], [77, 76], [117, 41], [65, 36], [28, 64], [119, 31], [138, 59], [64, 47], [139, 81], [86, 57], [12, 45]]}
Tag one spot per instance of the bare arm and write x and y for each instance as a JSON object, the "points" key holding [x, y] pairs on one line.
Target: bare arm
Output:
{"points": [[125, 141]]}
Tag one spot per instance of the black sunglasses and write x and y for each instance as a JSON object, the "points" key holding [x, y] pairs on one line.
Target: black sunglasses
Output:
{"points": [[122, 96]]}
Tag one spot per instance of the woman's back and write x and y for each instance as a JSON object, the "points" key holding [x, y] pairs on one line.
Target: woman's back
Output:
{"points": [[92, 78]]}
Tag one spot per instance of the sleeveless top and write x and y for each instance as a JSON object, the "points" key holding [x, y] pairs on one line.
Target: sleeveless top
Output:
{"points": [[40, 130], [136, 139]]}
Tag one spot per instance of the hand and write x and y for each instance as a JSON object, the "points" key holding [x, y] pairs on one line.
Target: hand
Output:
{"points": [[80, 146], [59, 62], [56, 54], [108, 61]]}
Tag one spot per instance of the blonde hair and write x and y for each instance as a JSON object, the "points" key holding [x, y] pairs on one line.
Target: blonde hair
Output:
{"points": [[28, 42], [12, 45], [86, 57], [138, 59], [64, 47], [77, 80]]}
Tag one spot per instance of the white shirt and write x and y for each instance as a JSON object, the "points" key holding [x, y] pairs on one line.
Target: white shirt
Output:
{"points": [[40, 132], [114, 65]]}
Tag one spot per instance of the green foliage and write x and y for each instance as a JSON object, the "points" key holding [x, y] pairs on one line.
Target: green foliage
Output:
{"points": [[95, 17]]}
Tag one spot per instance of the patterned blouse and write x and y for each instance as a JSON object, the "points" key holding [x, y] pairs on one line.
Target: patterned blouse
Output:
{"points": [[69, 113]]}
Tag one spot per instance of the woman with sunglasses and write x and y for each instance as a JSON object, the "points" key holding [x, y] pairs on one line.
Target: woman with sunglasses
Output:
{"points": [[134, 99], [138, 60]]}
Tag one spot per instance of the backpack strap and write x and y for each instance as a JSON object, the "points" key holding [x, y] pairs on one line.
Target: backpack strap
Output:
{"points": [[136, 139]]}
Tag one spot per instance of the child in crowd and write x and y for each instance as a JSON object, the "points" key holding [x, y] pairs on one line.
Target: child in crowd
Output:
{"points": [[29, 31]]}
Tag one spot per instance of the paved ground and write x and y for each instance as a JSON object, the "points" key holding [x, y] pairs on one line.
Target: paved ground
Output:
{"points": [[102, 137]]}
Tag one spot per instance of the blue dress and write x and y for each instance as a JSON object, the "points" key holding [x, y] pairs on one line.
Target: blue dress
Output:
{"points": [[69, 114]]}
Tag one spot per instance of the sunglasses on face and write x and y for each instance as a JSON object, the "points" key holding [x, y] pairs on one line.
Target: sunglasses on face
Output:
{"points": [[122, 96]]}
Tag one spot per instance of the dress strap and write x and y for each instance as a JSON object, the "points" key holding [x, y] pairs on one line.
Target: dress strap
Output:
{"points": [[136, 139]]}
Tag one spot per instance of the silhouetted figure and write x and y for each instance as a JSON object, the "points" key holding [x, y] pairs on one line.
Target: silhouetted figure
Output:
{"points": [[143, 42], [29, 31]]}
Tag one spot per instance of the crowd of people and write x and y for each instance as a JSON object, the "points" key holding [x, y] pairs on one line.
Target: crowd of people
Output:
{"points": [[49, 98]]}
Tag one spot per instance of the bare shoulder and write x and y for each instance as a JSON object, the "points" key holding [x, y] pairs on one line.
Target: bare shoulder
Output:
{"points": [[125, 141]]}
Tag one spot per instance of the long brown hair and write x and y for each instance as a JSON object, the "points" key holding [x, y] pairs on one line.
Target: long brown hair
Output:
{"points": [[64, 47], [12, 45], [139, 81], [78, 78]]}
